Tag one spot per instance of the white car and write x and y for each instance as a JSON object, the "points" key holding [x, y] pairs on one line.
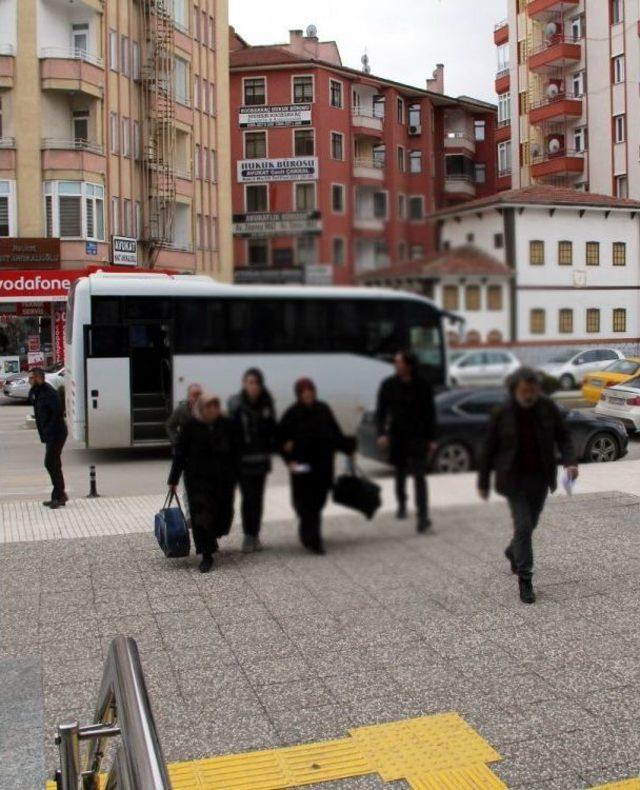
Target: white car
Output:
{"points": [[17, 385], [483, 368], [623, 403], [571, 367]]}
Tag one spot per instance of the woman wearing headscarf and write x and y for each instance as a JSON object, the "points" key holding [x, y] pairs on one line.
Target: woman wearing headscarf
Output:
{"points": [[254, 416], [309, 436], [207, 453]]}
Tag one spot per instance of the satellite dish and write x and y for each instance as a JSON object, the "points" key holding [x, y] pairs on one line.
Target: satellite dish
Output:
{"points": [[365, 64], [555, 146], [551, 29], [312, 31], [552, 91]]}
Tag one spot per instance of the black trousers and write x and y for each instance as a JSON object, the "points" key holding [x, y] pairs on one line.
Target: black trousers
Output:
{"points": [[53, 465], [419, 473], [252, 487], [526, 508], [211, 517], [309, 499]]}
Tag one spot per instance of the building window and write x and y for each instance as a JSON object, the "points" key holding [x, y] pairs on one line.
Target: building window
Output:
{"points": [[127, 209], [416, 252], [480, 129], [619, 253], [577, 27], [400, 111], [255, 145], [450, 297], [138, 227], [494, 297], [471, 237], [196, 23], [212, 166], [80, 126], [180, 15], [256, 198], [213, 230], [472, 297], [197, 161], [498, 241], [258, 252], [619, 320], [337, 146], [305, 197], [565, 321], [213, 108], [302, 90], [338, 251], [306, 250], [504, 108], [503, 57], [415, 118], [536, 253], [304, 142], [580, 139], [137, 140], [74, 210], [380, 205], [337, 198], [619, 128], [336, 93], [537, 321], [504, 157], [181, 80], [565, 253], [481, 174], [113, 50], [402, 207], [115, 216], [7, 208], [617, 11], [126, 137], [622, 187], [196, 93], [593, 253], [255, 91], [402, 251], [578, 83], [125, 59], [416, 208], [593, 319], [618, 69], [415, 161], [401, 167]]}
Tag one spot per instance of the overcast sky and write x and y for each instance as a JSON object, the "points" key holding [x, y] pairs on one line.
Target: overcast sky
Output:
{"points": [[404, 38]]}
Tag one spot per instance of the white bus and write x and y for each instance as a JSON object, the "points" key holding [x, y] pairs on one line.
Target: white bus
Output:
{"points": [[135, 342]]}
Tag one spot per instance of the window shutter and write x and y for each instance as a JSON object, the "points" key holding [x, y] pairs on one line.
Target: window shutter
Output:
{"points": [[48, 210], [91, 231], [4, 216], [70, 217]]}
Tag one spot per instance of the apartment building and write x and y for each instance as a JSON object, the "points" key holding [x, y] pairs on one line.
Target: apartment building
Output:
{"points": [[114, 138], [336, 170], [568, 84]]}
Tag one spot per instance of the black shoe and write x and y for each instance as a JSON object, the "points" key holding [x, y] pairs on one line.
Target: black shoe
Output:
{"points": [[401, 513], [56, 503], [527, 595], [206, 564], [423, 525], [508, 553], [315, 548], [48, 503]]}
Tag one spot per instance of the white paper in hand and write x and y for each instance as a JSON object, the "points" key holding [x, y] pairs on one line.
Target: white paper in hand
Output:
{"points": [[568, 483]]}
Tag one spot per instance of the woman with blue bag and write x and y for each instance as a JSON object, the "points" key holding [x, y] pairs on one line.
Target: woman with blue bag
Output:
{"points": [[207, 452]]}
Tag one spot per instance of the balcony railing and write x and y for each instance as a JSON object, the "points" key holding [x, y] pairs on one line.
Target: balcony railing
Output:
{"points": [[545, 101], [504, 173], [66, 53], [183, 173], [503, 123], [460, 177], [460, 136], [366, 112], [8, 50], [365, 162], [501, 24], [560, 38], [7, 142], [58, 144], [503, 72], [563, 153]]}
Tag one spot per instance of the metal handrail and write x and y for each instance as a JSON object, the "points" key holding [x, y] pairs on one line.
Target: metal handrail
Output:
{"points": [[375, 164], [501, 24], [58, 144], [545, 101], [503, 71], [123, 710], [365, 112], [65, 53]]}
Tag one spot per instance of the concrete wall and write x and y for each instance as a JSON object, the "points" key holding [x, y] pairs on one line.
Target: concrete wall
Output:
{"points": [[483, 228]]}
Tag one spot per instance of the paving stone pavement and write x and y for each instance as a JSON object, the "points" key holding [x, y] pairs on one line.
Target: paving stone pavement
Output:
{"points": [[281, 647]]}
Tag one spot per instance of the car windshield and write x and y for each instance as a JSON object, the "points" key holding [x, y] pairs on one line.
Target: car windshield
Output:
{"points": [[564, 357], [624, 366]]}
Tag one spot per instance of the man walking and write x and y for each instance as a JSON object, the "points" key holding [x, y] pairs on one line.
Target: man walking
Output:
{"points": [[52, 428], [182, 413], [524, 438], [406, 424]]}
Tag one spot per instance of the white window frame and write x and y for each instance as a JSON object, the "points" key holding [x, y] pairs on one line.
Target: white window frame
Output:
{"points": [[114, 50], [80, 30], [312, 241], [213, 100], [197, 160], [126, 137], [332, 82], [617, 12], [576, 26], [621, 179], [402, 206], [412, 159], [343, 189], [619, 70], [246, 132], [578, 83], [125, 56], [137, 140], [185, 99], [580, 139], [115, 216], [196, 92], [344, 152], [295, 186], [385, 192], [212, 32], [504, 157], [84, 190], [114, 133], [294, 77], [293, 140], [8, 190], [135, 61], [619, 128], [504, 107], [244, 94], [258, 186], [213, 166]]}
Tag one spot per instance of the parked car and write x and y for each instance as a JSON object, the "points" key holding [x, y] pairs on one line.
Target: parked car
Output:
{"points": [[623, 403], [463, 416], [17, 385], [482, 368], [617, 373], [571, 367]]}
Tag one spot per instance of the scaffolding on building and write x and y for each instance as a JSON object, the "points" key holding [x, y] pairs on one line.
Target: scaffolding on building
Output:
{"points": [[159, 113]]}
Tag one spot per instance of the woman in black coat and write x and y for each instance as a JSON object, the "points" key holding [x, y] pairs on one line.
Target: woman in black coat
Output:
{"points": [[254, 416], [207, 453], [309, 436]]}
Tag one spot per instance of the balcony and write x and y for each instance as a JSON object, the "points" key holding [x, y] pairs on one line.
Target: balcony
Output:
{"points": [[7, 65], [456, 141], [7, 153], [460, 186], [503, 131], [503, 79], [501, 32], [562, 107], [77, 156], [72, 70], [557, 53], [567, 163], [543, 9], [368, 169], [366, 123], [368, 222]]}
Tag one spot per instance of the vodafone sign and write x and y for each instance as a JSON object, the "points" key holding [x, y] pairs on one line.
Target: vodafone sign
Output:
{"points": [[37, 285]]}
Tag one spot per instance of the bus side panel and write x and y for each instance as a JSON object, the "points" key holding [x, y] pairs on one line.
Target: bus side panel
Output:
{"points": [[74, 362], [348, 382]]}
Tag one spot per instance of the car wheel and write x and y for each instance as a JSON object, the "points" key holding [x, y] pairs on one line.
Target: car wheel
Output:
{"points": [[602, 448], [452, 457], [567, 382]]}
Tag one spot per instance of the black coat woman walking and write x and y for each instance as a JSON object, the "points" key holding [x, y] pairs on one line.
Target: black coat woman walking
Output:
{"points": [[309, 436], [208, 454], [254, 416]]}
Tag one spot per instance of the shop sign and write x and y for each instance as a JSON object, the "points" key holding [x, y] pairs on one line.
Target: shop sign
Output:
{"points": [[35, 359], [59, 324], [298, 168], [266, 275], [124, 251], [32, 310], [34, 284], [318, 274], [33, 343], [276, 224], [32, 253], [9, 366], [275, 115]]}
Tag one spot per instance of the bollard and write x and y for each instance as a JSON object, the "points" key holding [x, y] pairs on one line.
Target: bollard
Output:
{"points": [[93, 488]]}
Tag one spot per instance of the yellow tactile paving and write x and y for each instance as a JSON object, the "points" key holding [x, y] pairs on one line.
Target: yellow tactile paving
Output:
{"points": [[628, 784]]}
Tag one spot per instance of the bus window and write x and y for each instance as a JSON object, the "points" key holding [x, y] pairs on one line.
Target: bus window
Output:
{"points": [[108, 341], [424, 334], [385, 333], [200, 326], [105, 310], [313, 325], [348, 330], [147, 309]]}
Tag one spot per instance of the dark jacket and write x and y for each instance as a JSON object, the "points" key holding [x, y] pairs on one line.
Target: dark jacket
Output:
{"points": [[500, 453], [406, 414], [255, 424], [49, 413], [208, 455], [178, 419], [316, 436]]}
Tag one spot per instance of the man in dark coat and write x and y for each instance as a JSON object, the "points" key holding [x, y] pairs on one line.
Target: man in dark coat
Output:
{"points": [[406, 423], [182, 413], [52, 429], [524, 439]]}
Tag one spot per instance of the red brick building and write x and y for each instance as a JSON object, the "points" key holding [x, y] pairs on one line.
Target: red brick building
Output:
{"points": [[336, 170]]}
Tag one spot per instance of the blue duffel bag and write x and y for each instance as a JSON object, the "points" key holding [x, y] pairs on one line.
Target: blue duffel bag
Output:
{"points": [[171, 530]]}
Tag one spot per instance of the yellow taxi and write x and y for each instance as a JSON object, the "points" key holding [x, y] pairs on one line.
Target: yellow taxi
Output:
{"points": [[617, 372]]}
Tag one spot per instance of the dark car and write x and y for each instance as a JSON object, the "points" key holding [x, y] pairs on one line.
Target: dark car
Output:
{"points": [[463, 416]]}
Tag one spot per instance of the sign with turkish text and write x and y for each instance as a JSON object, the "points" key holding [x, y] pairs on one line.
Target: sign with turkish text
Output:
{"points": [[266, 275], [318, 274], [253, 117], [124, 251], [32, 253], [59, 324], [35, 359], [298, 168], [276, 224], [36, 285]]}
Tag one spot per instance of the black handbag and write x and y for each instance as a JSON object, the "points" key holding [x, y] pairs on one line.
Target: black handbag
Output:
{"points": [[356, 492]]}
